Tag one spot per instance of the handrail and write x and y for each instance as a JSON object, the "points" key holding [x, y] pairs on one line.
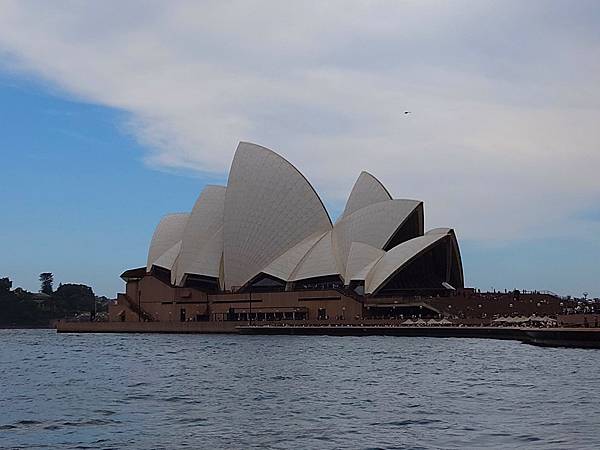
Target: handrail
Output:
{"points": [[349, 293], [137, 309]]}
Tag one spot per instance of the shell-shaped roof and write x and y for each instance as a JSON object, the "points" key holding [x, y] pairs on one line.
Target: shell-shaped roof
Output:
{"points": [[269, 208], [168, 232], [366, 191], [270, 220], [202, 242], [374, 225], [318, 262], [168, 258], [208, 261], [284, 265], [361, 256], [400, 255]]}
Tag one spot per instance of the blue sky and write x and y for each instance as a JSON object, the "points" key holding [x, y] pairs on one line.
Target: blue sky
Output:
{"points": [[107, 123], [78, 201]]}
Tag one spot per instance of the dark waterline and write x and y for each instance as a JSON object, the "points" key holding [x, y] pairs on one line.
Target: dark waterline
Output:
{"points": [[232, 391]]}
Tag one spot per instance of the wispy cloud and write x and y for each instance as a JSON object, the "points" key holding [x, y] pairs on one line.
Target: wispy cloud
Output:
{"points": [[502, 141]]}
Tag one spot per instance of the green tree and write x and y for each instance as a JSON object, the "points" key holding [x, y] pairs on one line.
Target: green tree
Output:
{"points": [[74, 298], [46, 279], [5, 284]]}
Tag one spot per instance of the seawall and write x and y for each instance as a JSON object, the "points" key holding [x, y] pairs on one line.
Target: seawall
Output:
{"points": [[147, 327], [549, 337], [552, 337]]}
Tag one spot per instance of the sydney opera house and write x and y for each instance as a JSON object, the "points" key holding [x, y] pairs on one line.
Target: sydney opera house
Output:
{"points": [[264, 248]]}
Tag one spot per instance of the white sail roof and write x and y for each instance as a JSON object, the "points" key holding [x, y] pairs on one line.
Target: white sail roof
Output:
{"points": [[269, 208], [202, 242], [400, 255], [374, 225], [284, 266], [366, 190], [269, 219], [168, 258], [361, 257], [318, 262], [168, 232], [208, 260]]}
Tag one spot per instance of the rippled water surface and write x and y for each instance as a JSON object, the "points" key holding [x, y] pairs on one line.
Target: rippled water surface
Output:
{"points": [[212, 391]]}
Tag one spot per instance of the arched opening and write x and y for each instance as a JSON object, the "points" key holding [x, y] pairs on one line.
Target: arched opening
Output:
{"points": [[201, 283], [411, 228], [432, 272], [264, 283]]}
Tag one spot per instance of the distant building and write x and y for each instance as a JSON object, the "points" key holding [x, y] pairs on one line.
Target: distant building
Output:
{"points": [[264, 248]]}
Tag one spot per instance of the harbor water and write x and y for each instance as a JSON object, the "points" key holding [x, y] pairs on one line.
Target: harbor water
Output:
{"points": [[157, 391]]}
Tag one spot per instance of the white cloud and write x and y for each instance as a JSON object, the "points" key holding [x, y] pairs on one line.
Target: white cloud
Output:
{"points": [[502, 142]]}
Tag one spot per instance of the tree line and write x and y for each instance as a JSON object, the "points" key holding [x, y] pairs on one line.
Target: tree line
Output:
{"points": [[19, 307]]}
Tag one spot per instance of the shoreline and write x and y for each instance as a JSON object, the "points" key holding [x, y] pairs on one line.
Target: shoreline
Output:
{"points": [[543, 337], [548, 337]]}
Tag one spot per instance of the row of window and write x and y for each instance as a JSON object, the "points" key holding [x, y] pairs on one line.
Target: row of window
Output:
{"points": [[261, 316]]}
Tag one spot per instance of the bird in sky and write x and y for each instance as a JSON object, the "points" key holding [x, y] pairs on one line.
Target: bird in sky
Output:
{"points": [[407, 112]]}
